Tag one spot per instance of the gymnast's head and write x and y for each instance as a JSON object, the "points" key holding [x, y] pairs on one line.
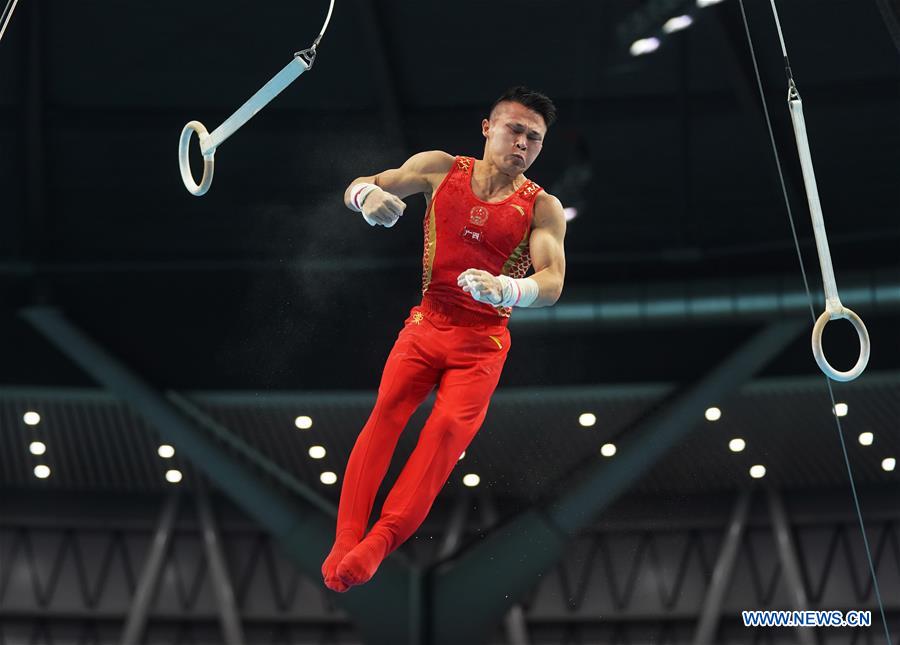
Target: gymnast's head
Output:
{"points": [[515, 129]]}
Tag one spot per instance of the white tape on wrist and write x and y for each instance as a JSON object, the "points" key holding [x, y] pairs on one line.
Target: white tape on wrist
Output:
{"points": [[358, 195], [518, 293]]}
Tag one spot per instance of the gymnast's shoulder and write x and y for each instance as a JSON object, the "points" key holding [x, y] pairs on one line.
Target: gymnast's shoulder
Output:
{"points": [[430, 162], [548, 211]]}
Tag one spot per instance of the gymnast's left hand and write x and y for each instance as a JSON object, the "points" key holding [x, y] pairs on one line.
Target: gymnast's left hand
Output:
{"points": [[481, 285]]}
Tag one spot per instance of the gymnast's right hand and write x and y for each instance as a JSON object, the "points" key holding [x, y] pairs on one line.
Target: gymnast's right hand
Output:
{"points": [[376, 205], [382, 207]]}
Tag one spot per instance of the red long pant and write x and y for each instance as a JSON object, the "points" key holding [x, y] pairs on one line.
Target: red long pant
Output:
{"points": [[465, 363]]}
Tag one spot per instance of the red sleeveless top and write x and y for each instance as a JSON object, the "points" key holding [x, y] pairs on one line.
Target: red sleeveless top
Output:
{"points": [[463, 232]]}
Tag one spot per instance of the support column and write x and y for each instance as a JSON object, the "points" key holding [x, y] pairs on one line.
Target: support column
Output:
{"points": [[790, 565], [136, 622], [218, 571], [711, 612]]}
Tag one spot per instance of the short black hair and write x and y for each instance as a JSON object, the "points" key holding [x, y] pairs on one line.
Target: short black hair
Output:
{"points": [[531, 99]]}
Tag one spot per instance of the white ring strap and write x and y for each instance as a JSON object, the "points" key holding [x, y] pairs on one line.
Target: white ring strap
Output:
{"points": [[7, 16], [833, 307], [301, 62], [209, 142]]}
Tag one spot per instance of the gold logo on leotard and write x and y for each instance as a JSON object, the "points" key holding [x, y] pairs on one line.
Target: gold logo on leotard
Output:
{"points": [[418, 317], [496, 340], [519, 208], [529, 190]]}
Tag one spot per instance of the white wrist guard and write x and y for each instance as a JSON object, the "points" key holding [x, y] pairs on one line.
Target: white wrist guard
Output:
{"points": [[518, 293], [358, 195]]}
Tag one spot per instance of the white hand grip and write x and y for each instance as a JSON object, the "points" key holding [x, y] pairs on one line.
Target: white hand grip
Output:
{"points": [[819, 353], [184, 160]]}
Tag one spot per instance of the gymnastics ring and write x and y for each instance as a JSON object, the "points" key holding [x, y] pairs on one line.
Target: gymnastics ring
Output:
{"points": [[833, 307], [184, 162], [819, 354], [301, 62]]}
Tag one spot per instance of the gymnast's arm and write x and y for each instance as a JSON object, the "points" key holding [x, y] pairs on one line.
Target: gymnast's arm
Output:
{"points": [[548, 231], [414, 176]]}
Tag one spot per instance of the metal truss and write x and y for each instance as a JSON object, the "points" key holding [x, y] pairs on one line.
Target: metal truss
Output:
{"points": [[77, 584]]}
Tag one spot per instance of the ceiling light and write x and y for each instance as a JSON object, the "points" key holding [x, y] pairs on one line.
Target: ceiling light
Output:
{"points": [[570, 213], [304, 423], [42, 471], [317, 452], [173, 476], [37, 448], [471, 480], [866, 438], [328, 478], [677, 24], [644, 46], [713, 414], [840, 409], [608, 449], [758, 471], [737, 445], [889, 463], [166, 451], [462, 455], [31, 418], [707, 3], [587, 419]]}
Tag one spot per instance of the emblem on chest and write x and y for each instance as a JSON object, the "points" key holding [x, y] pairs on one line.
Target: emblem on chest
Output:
{"points": [[478, 216], [473, 231]]}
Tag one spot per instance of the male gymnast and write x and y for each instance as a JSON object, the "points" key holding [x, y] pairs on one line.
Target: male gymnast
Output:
{"points": [[485, 224]]}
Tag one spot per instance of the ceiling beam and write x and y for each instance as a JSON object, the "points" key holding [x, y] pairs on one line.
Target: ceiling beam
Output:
{"points": [[385, 610], [526, 547]]}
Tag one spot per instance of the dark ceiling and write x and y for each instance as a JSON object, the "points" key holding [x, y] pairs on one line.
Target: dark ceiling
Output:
{"points": [[269, 282]]}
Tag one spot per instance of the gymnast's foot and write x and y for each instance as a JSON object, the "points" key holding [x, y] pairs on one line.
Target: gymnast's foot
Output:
{"points": [[360, 564], [343, 544]]}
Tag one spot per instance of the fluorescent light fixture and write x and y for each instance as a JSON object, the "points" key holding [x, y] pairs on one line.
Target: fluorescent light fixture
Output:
{"points": [[713, 414], [677, 24], [866, 438], [608, 449], [43, 472], [471, 480], [737, 445], [328, 478], [317, 452], [587, 419], [173, 476], [707, 3], [644, 46], [166, 451], [31, 418], [304, 423], [37, 448], [758, 471]]}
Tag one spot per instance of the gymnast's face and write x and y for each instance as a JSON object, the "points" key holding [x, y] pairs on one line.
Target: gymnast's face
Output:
{"points": [[515, 135]]}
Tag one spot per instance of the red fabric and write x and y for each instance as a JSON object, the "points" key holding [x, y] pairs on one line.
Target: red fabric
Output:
{"points": [[463, 232], [465, 363]]}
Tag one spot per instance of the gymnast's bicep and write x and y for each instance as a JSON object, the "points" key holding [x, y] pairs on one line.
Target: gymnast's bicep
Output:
{"points": [[419, 174]]}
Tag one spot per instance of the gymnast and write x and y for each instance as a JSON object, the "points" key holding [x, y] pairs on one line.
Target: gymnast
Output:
{"points": [[485, 224]]}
